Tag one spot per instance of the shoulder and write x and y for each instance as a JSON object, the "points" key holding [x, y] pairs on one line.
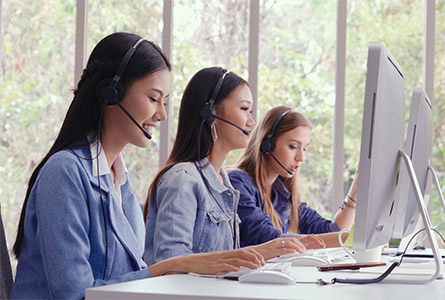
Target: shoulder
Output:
{"points": [[71, 163], [183, 173], [242, 181]]}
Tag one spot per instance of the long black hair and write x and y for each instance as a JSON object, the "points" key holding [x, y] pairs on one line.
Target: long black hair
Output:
{"points": [[196, 95], [84, 114]]}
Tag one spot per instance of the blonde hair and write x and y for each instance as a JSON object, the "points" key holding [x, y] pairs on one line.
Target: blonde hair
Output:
{"points": [[254, 162]]}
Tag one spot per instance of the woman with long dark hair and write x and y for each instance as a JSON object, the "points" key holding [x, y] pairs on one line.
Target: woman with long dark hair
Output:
{"points": [[191, 207], [81, 225], [266, 176]]}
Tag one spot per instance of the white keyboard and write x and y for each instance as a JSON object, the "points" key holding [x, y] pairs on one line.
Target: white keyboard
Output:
{"points": [[284, 267], [327, 254]]}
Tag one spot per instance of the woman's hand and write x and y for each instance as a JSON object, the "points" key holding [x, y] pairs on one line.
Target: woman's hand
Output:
{"points": [[210, 263], [282, 246]]}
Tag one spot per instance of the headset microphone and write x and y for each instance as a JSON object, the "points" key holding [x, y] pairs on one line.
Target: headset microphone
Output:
{"points": [[147, 135], [286, 169], [268, 143], [233, 124], [208, 113], [111, 91]]}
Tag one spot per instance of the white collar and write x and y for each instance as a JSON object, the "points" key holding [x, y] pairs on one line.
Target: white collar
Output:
{"points": [[119, 166]]}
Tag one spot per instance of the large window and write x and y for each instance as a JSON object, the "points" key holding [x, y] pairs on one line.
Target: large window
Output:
{"points": [[35, 88], [297, 51]]}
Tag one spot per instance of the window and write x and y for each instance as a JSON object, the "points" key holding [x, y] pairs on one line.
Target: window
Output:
{"points": [[35, 91]]}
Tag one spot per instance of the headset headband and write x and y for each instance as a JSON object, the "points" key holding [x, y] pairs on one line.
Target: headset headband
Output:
{"points": [[217, 88], [124, 63]]}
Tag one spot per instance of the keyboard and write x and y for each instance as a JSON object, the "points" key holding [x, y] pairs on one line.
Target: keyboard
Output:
{"points": [[283, 267], [327, 254]]}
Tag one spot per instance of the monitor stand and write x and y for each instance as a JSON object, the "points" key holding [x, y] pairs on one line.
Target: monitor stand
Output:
{"points": [[426, 223], [404, 241], [437, 184]]}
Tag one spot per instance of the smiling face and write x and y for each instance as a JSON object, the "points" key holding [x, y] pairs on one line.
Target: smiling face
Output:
{"points": [[145, 100], [236, 108], [289, 150]]}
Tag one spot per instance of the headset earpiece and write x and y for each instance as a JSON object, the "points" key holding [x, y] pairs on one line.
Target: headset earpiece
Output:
{"points": [[110, 95], [268, 143], [111, 91], [208, 113]]}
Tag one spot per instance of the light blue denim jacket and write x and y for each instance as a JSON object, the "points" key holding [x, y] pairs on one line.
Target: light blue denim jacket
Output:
{"points": [[185, 218], [63, 250]]}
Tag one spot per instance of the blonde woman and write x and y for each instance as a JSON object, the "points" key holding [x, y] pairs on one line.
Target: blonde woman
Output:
{"points": [[266, 177]]}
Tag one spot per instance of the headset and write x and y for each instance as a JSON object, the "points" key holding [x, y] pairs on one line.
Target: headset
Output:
{"points": [[268, 144], [111, 91], [208, 113]]}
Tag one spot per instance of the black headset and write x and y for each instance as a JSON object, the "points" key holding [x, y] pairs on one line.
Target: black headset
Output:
{"points": [[110, 90], [208, 113], [268, 143]]}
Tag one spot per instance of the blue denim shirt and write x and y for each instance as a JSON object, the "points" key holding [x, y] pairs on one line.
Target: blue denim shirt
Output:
{"points": [[63, 250], [256, 226], [190, 216]]}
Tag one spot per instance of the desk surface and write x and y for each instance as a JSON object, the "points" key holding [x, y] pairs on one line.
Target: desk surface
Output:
{"points": [[191, 287]]}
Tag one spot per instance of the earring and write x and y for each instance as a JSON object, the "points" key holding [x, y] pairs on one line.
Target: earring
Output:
{"points": [[215, 135]]}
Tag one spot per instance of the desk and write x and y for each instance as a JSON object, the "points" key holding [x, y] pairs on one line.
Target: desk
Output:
{"points": [[190, 287]]}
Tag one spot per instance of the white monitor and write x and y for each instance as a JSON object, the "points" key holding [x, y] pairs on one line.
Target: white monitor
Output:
{"points": [[418, 147], [383, 132]]}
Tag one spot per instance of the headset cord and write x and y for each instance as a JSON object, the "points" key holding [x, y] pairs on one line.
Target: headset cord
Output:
{"points": [[199, 167], [100, 193]]}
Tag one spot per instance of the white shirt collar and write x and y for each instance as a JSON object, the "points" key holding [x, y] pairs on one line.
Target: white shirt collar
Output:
{"points": [[120, 168]]}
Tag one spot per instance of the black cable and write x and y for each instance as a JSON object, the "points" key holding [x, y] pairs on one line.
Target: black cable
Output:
{"points": [[366, 281], [409, 242], [100, 192], [199, 167], [98, 151]]}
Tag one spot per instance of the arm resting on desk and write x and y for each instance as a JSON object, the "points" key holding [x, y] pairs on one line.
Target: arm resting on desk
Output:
{"points": [[209, 263]]}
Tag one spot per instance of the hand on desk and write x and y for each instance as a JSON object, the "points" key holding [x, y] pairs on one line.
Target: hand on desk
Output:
{"points": [[210, 263]]}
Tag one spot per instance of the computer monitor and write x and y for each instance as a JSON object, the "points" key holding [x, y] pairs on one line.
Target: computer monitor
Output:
{"points": [[383, 131], [418, 147]]}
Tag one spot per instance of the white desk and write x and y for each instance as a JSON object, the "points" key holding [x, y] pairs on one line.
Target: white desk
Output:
{"points": [[190, 287]]}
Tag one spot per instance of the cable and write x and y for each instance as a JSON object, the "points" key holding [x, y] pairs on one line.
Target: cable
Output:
{"points": [[366, 281], [100, 192], [199, 167]]}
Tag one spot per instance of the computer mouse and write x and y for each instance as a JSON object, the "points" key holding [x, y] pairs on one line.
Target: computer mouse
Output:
{"points": [[267, 276], [311, 261]]}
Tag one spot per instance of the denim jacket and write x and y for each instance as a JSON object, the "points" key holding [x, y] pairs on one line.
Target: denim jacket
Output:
{"points": [[192, 213], [64, 246]]}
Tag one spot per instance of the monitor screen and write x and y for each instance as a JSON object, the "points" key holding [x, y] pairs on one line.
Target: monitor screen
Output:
{"points": [[383, 132], [418, 147]]}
